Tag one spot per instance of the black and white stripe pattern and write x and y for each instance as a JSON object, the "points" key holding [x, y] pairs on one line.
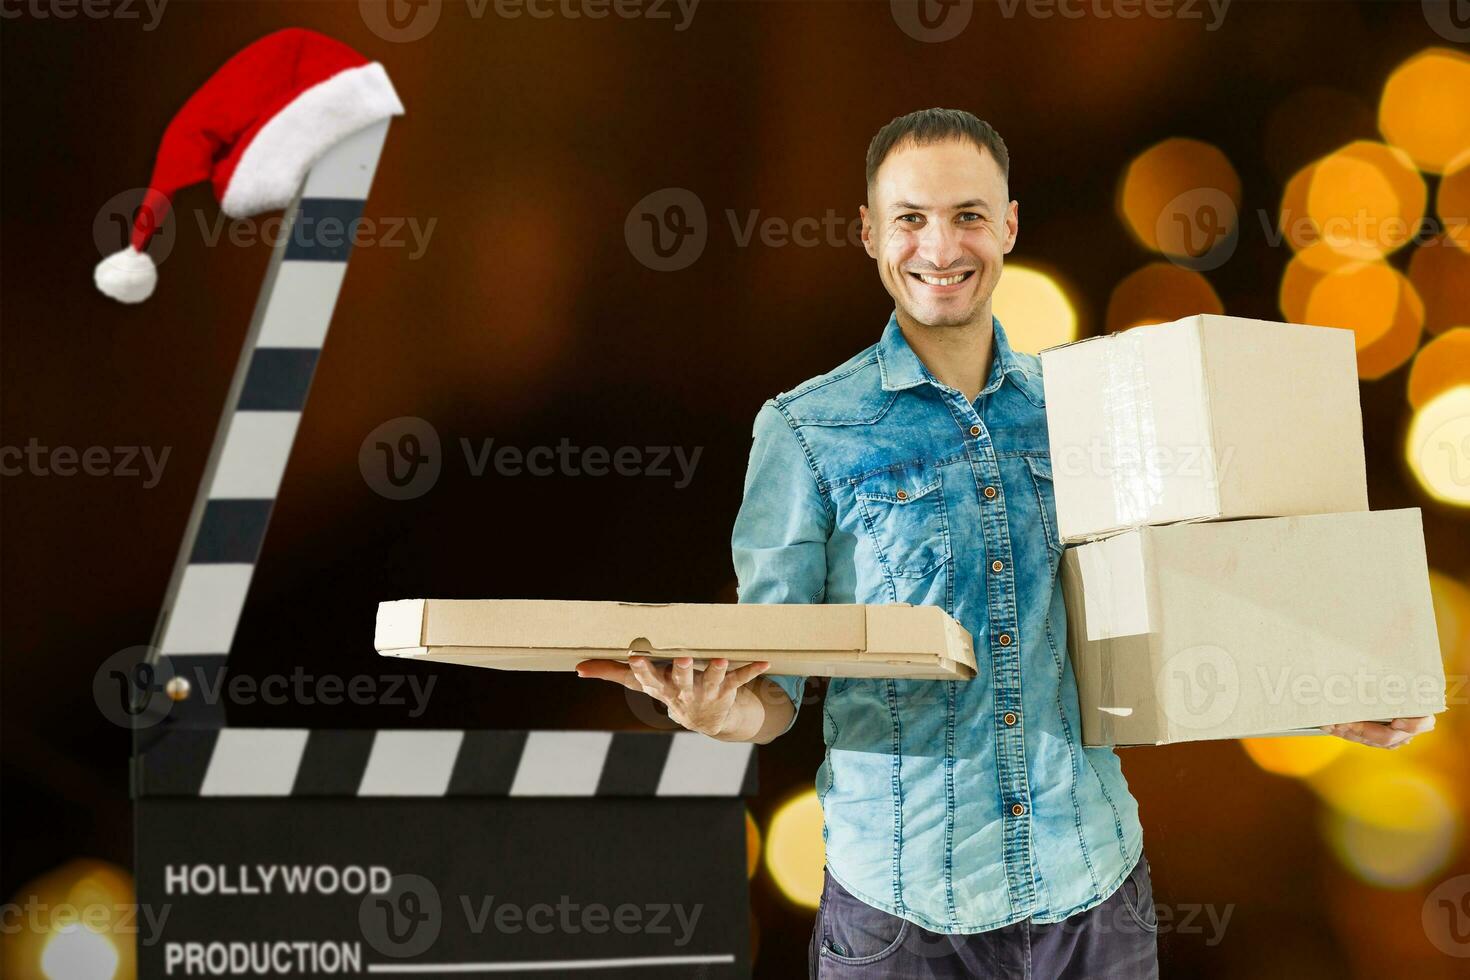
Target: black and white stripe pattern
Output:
{"points": [[223, 538], [269, 762]]}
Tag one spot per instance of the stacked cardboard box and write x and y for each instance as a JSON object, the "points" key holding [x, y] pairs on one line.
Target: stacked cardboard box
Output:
{"points": [[1224, 576]]}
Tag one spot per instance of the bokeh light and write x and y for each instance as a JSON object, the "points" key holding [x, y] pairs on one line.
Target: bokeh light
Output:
{"points": [[1440, 365], [1423, 108], [1452, 204], [1034, 310], [1438, 446], [1296, 755], [1377, 303], [1302, 274], [795, 851], [1180, 197], [1366, 200], [1392, 828], [1441, 273], [752, 845], [79, 925], [1160, 293]]}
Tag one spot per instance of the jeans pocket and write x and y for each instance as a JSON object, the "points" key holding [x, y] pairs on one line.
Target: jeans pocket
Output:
{"points": [[1138, 896], [854, 933]]}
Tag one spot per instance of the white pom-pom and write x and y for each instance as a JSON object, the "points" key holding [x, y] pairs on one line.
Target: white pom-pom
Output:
{"points": [[127, 276]]}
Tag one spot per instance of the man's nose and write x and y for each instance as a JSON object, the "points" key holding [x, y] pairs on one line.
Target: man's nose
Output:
{"points": [[939, 245]]}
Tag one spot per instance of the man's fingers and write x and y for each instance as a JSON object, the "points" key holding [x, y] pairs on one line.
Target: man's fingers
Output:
{"points": [[714, 675], [1371, 733], [609, 670], [1414, 726], [683, 674], [650, 679], [741, 676]]}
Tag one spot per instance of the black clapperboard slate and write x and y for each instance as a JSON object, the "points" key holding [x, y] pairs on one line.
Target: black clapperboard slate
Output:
{"points": [[462, 853], [409, 853]]}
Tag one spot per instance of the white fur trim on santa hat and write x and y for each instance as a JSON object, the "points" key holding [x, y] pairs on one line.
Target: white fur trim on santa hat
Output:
{"points": [[275, 163], [127, 276]]}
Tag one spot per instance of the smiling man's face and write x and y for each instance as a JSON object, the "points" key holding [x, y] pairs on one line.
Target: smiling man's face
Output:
{"points": [[938, 222]]}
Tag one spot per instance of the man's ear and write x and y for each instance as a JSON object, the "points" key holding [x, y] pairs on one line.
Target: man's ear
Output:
{"points": [[869, 245], [1013, 226]]}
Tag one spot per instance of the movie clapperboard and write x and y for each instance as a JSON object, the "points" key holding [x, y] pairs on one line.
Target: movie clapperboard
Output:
{"points": [[287, 852], [308, 853]]}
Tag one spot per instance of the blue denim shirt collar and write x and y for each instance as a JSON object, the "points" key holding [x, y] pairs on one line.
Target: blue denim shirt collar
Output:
{"points": [[901, 368]]}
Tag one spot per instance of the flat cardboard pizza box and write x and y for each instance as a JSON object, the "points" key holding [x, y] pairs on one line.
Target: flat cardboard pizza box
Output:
{"points": [[902, 641], [1252, 627], [1206, 418]]}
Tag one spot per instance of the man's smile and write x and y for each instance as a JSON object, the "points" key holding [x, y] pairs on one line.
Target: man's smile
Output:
{"points": [[943, 283]]}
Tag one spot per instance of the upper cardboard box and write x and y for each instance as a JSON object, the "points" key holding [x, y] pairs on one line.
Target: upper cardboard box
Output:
{"points": [[1204, 418], [913, 642]]}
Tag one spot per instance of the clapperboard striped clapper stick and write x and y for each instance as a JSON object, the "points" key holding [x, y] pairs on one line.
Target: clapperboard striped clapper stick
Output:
{"points": [[437, 853], [297, 121]]}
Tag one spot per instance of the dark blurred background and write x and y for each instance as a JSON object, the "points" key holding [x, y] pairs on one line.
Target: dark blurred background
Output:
{"points": [[521, 311]]}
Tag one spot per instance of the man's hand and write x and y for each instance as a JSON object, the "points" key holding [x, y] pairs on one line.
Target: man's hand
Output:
{"points": [[1390, 736], [708, 701]]}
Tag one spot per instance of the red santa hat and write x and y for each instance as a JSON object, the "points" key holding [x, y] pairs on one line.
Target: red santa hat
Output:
{"points": [[254, 129]]}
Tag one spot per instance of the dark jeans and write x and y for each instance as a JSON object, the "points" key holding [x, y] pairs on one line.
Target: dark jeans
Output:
{"points": [[1116, 940]]}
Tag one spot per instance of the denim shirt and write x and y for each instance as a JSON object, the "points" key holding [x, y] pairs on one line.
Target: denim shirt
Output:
{"points": [[959, 805]]}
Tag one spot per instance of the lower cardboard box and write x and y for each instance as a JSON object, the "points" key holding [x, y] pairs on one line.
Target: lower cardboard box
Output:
{"points": [[1257, 627], [900, 641]]}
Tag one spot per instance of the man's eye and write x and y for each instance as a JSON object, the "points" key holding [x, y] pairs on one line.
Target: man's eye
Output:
{"points": [[972, 216], [911, 218]]}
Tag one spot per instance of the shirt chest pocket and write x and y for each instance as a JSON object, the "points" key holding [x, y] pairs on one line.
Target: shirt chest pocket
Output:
{"points": [[904, 516]]}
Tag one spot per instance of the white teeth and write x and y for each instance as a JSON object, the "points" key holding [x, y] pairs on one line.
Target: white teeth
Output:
{"points": [[942, 280]]}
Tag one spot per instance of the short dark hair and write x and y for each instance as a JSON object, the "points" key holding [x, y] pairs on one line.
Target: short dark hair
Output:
{"points": [[928, 126]]}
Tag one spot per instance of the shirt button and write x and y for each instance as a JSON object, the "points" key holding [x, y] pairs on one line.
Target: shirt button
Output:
{"points": [[990, 493], [902, 495], [1005, 639], [1018, 810], [1009, 718], [997, 565], [974, 430]]}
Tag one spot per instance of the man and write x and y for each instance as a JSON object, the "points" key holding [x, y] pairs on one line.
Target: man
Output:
{"points": [[968, 832]]}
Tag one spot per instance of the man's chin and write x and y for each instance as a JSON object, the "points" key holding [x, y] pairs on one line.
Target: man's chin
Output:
{"points": [[940, 316]]}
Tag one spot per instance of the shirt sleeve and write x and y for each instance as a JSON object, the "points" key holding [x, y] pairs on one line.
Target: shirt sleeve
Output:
{"points": [[780, 538]]}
